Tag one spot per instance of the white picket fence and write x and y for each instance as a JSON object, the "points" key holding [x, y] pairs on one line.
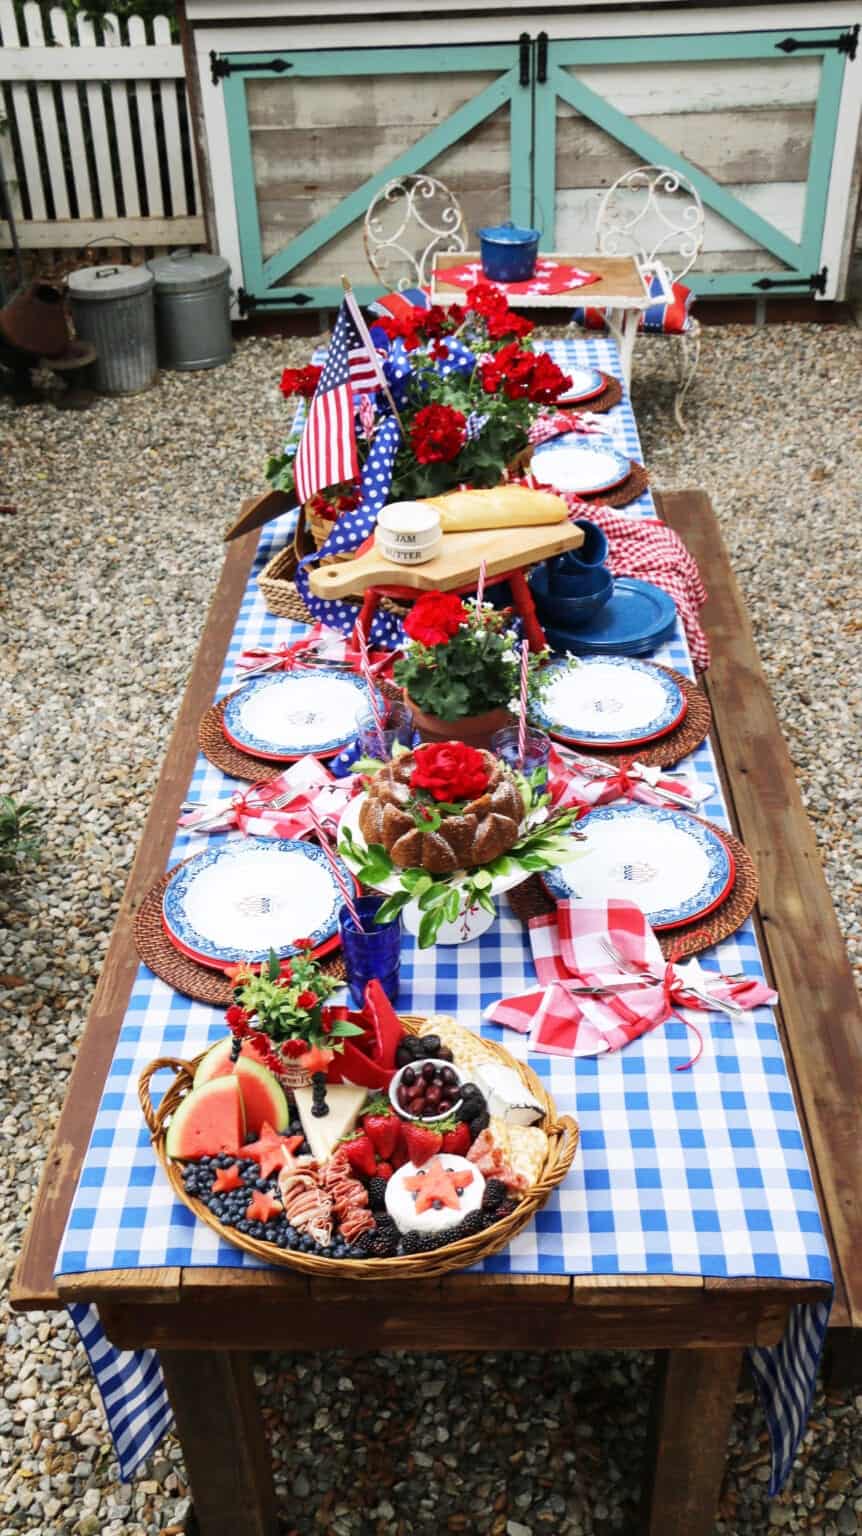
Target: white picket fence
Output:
{"points": [[97, 147]]}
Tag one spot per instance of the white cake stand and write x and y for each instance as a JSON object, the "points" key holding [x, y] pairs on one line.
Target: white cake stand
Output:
{"points": [[472, 920]]}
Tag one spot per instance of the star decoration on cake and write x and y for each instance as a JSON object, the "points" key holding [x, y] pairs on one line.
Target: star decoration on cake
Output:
{"points": [[436, 1183]]}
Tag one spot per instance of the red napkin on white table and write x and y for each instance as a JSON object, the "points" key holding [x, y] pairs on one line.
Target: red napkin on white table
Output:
{"points": [[568, 954]]}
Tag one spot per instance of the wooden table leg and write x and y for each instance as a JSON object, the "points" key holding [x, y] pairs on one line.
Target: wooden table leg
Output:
{"points": [[221, 1433], [695, 1391]]}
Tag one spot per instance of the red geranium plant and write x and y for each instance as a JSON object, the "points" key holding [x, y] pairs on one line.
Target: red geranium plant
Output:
{"points": [[459, 661], [467, 406]]}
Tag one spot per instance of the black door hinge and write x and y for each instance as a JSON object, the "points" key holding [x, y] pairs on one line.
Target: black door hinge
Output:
{"points": [[542, 58], [221, 67], [845, 42], [248, 302], [816, 283], [524, 59]]}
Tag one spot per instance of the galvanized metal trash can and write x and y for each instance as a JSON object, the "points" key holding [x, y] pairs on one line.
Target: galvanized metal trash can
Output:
{"points": [[113, 308], [192, 309]]}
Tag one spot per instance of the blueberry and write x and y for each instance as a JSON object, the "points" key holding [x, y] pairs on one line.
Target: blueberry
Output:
{"points": [[261, 1184]]}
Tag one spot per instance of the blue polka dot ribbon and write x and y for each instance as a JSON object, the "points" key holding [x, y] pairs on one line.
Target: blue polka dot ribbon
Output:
{"points": [[351, 530]]}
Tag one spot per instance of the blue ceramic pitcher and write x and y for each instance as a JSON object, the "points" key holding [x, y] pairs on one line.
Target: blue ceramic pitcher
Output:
{"points": [[509, 252]]}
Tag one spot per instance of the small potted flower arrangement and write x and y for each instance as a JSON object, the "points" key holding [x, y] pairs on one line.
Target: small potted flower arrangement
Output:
{"points": [[460, 669], [281, 1010]]}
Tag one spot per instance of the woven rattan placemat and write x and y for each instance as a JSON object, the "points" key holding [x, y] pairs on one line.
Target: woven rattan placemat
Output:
{"points": [[627, 491], [181, 973], [238, 765], [532, 900], [610, 396]]}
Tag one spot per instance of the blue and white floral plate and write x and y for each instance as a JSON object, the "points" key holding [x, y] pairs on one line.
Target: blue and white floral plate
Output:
{"points": [[237, 902], [609, 701], [675, 867], [574, 462], [586, 384], [284, 715]]}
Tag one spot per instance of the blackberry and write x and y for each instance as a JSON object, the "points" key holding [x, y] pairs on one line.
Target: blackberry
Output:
{"points": [[377, 1193], [361, 1247], [467, 1228], [495, 1194], [412, 1242], [479, 1123], [428, 1241], [383, 1245], [386, 1225]]}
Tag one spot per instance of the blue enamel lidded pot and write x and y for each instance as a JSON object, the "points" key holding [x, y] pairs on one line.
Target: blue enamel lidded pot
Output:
{"points": [[509, 252]]}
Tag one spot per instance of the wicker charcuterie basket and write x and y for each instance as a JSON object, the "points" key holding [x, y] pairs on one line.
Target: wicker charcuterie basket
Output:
{"points": [[561, 1131]]}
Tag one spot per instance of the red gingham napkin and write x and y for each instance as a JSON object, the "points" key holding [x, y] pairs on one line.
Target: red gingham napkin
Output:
{"points": [[567, 950]]}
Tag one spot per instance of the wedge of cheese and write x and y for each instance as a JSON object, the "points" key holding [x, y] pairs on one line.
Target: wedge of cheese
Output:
{"points": [[322, 1134], [501, 506]]}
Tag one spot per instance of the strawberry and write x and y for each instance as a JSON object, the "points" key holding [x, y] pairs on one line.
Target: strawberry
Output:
{"points": [[459, 1140], [384, 1170], [360, 1155], [421, 1143], [383, 1131]]}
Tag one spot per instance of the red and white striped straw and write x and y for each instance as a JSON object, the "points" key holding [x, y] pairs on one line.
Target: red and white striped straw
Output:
{"points": [[522, 712], [480, 587], [335, 867], [365, 663]]}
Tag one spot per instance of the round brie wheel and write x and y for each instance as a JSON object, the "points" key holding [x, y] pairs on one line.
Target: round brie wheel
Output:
{"points": [[401, 1202]]}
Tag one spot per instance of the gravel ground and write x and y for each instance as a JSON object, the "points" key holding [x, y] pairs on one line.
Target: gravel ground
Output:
{"points": [[108, 567]]}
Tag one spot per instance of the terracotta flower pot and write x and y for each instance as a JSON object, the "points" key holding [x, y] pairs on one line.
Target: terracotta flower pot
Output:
{"points": [[476, 730]]}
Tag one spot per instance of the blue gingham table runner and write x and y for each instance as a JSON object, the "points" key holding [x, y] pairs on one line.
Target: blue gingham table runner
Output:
{"points": [[695, 1173]]}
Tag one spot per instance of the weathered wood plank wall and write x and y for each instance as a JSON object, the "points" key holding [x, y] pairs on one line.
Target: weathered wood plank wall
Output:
{"points": [[748, 125]]}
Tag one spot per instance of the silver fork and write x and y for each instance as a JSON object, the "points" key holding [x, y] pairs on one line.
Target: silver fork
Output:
{"points": [[722, 1005]]}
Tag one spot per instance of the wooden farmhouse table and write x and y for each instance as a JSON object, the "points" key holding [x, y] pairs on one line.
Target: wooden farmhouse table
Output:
{"points": [[205, 1323]]}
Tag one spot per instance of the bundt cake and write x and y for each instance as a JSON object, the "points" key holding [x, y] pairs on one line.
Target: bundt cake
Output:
{"points": [[485, 824]]}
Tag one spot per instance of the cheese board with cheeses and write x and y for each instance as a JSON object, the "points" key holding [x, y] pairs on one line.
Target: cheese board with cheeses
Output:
{"points": [[378, 1186]]}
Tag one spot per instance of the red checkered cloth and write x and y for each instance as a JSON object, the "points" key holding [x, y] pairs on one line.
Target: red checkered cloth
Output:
{"points": [[568, 953], [551, 423]]}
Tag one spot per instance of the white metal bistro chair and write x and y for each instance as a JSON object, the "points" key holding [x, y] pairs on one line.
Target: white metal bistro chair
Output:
{"points": [[656, 215], [409, 220]]}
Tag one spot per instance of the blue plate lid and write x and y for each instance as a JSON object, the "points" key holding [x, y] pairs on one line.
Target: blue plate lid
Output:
{"points": [[509, 234], [638, 616]]}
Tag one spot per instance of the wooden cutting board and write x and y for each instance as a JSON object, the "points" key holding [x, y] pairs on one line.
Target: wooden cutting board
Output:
{"points": [[502, 549]]}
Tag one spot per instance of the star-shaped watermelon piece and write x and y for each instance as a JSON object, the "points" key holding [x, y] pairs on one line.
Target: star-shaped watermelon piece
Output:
{"points": [[263, 1206], [227, 1179], [271, 1150], [436, 1182]]}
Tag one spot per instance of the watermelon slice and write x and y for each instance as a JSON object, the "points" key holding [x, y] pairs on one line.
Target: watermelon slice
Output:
{"points": [[262, 1093], [210, 1120]]}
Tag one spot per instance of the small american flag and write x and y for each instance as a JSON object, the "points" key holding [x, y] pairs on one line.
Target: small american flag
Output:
{"points": [[327, 451]]}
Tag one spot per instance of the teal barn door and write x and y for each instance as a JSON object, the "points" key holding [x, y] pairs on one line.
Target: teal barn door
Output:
{"points": [[749, 118], [315, 135]]}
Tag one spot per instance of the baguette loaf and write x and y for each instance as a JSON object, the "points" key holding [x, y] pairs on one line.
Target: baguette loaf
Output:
{"points": [[501, 506]]}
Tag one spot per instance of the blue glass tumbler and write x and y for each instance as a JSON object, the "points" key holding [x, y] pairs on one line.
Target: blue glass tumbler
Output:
{"points": [[537, 747], [373, 951]]}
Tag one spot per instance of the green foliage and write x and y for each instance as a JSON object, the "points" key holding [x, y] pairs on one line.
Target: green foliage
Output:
{"points": [[441, 898], [19, 839], [92, 10], [280, 1001]]}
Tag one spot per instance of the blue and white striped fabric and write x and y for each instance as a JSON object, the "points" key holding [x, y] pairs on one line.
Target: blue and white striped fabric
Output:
{"points": [[696, 1173]]}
